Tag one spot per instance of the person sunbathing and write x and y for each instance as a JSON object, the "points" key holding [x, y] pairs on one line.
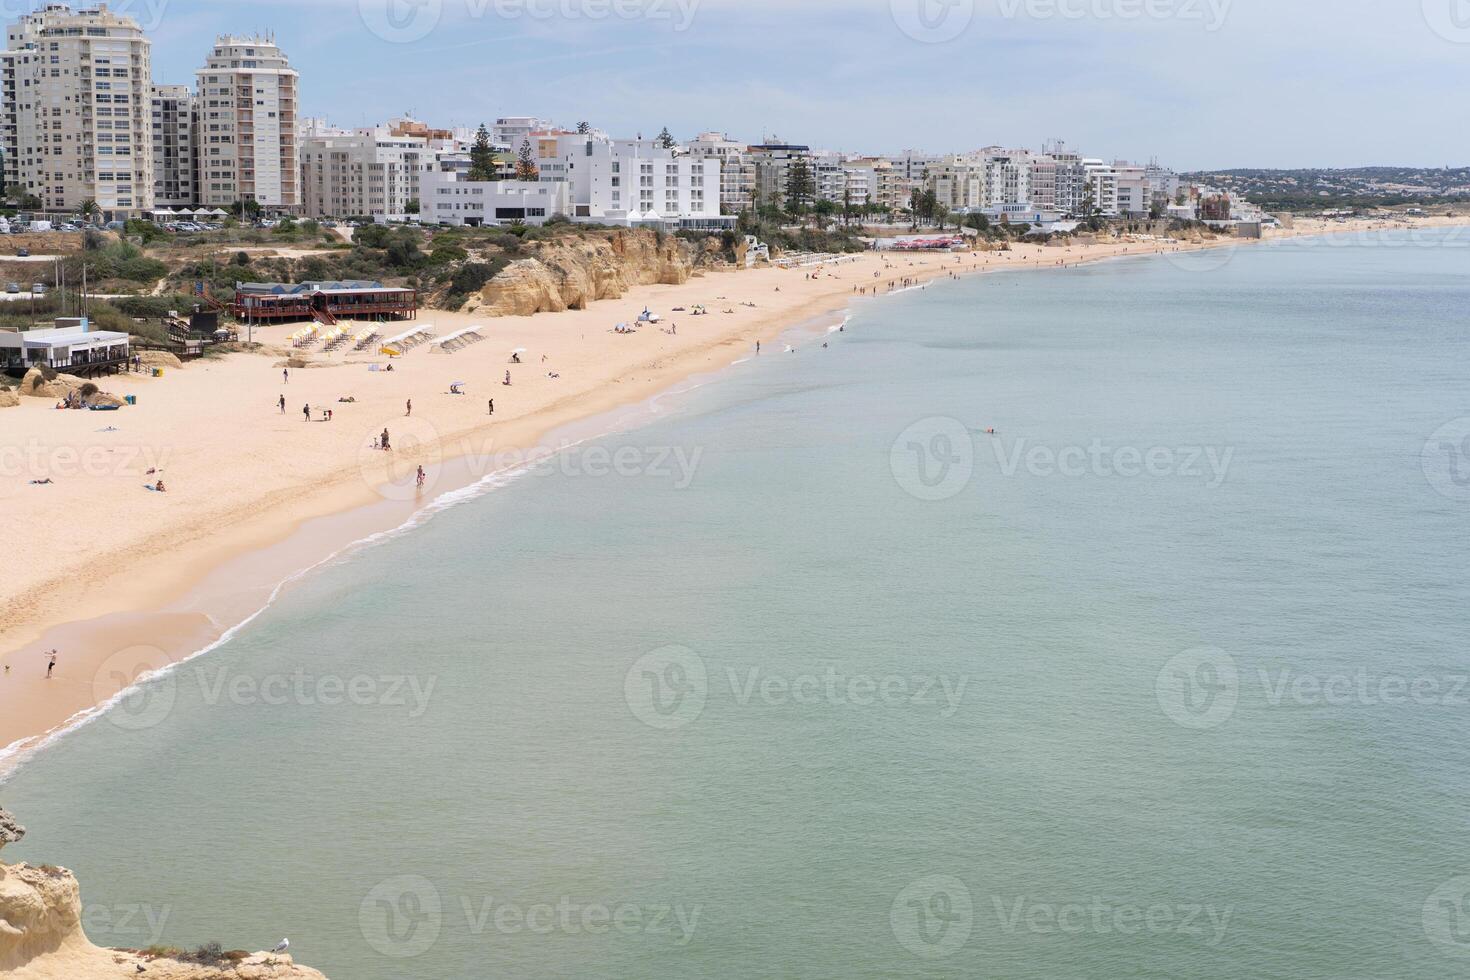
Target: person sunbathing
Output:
{"points": [[160, 487]]}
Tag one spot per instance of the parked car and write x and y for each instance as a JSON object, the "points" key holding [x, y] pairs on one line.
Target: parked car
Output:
{"points": [[23, 253], [12, 287], [39, 288]]}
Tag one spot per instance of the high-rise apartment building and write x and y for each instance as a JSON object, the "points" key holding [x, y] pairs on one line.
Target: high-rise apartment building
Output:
{"points": [[9, 144], [175, 163], [80, 102], [247, 94], [371, 172]]}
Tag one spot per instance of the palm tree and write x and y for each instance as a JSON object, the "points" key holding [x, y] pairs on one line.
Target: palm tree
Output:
{"points": [[822, 211], [90, 210]]}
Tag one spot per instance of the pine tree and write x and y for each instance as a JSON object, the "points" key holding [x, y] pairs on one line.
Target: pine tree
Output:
{"points": [[482, 157], [666, 139], [526, 162], [801, 186]]}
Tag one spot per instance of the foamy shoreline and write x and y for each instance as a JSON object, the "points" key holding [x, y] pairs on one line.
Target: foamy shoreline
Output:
{"points": [[258, 499]]}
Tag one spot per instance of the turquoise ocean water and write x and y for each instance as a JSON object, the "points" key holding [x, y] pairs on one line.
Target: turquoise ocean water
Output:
{"points": [[813, 676]]}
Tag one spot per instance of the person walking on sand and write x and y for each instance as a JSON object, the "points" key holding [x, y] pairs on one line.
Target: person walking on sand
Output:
{"points": [[306, 412], [492, 406], [285, 376], [409, 409], [51, 664], [385, 440], [421, 476], [283, 404]]}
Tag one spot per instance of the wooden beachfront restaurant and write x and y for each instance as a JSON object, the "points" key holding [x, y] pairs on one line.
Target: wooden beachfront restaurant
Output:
{"points": [[72, 347], [324, 302]]}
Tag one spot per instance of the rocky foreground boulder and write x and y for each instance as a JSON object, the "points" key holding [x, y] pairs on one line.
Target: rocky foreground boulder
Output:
{"points": [[37, 384], [41, 936]]}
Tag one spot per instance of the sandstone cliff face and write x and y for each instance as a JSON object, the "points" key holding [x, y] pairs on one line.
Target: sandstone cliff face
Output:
{"points": [[41, 935], [564, 275]]}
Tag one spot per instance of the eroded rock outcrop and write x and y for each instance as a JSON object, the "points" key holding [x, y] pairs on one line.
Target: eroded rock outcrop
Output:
{"points": [[36, 384], [572, 273], [41, 936]]}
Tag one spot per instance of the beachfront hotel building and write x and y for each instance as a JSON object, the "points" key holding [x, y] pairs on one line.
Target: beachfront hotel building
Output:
{"points": [[451, 198], [1134, 196], [367, 173], [772, 160], [1061, 176], [1102, 184], [638, 181], [957, 182], [737, 169], [78, 98], [248, 97], [1007, 176], [175, 152], [588, 178]]}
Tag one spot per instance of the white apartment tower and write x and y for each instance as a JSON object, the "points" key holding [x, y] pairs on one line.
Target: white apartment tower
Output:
{"points": [[174, 150], [8, 141], [371, 172], [248, 96], [82, 96]]}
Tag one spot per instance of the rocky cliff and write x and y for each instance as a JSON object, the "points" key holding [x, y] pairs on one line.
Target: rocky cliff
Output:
{"points": [[41, 936], [569, 274]]}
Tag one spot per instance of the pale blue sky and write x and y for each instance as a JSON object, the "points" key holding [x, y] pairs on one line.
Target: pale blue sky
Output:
{"points": [[1197, 83]]}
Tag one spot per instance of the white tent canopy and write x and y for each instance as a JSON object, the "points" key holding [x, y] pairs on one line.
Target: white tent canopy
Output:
{"points": [[410, 338], [460, 338]]}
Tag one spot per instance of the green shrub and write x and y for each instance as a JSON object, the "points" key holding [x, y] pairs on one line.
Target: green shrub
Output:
{"points": [[470, 278], [445, 253], [209, 953]]}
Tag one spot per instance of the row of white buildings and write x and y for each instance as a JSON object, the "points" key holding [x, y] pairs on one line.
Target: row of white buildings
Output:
{"points": [[81, 119], [994, 179]]}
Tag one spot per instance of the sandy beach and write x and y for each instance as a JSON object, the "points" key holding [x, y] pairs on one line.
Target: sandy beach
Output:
{"points": [[256, 493]]}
